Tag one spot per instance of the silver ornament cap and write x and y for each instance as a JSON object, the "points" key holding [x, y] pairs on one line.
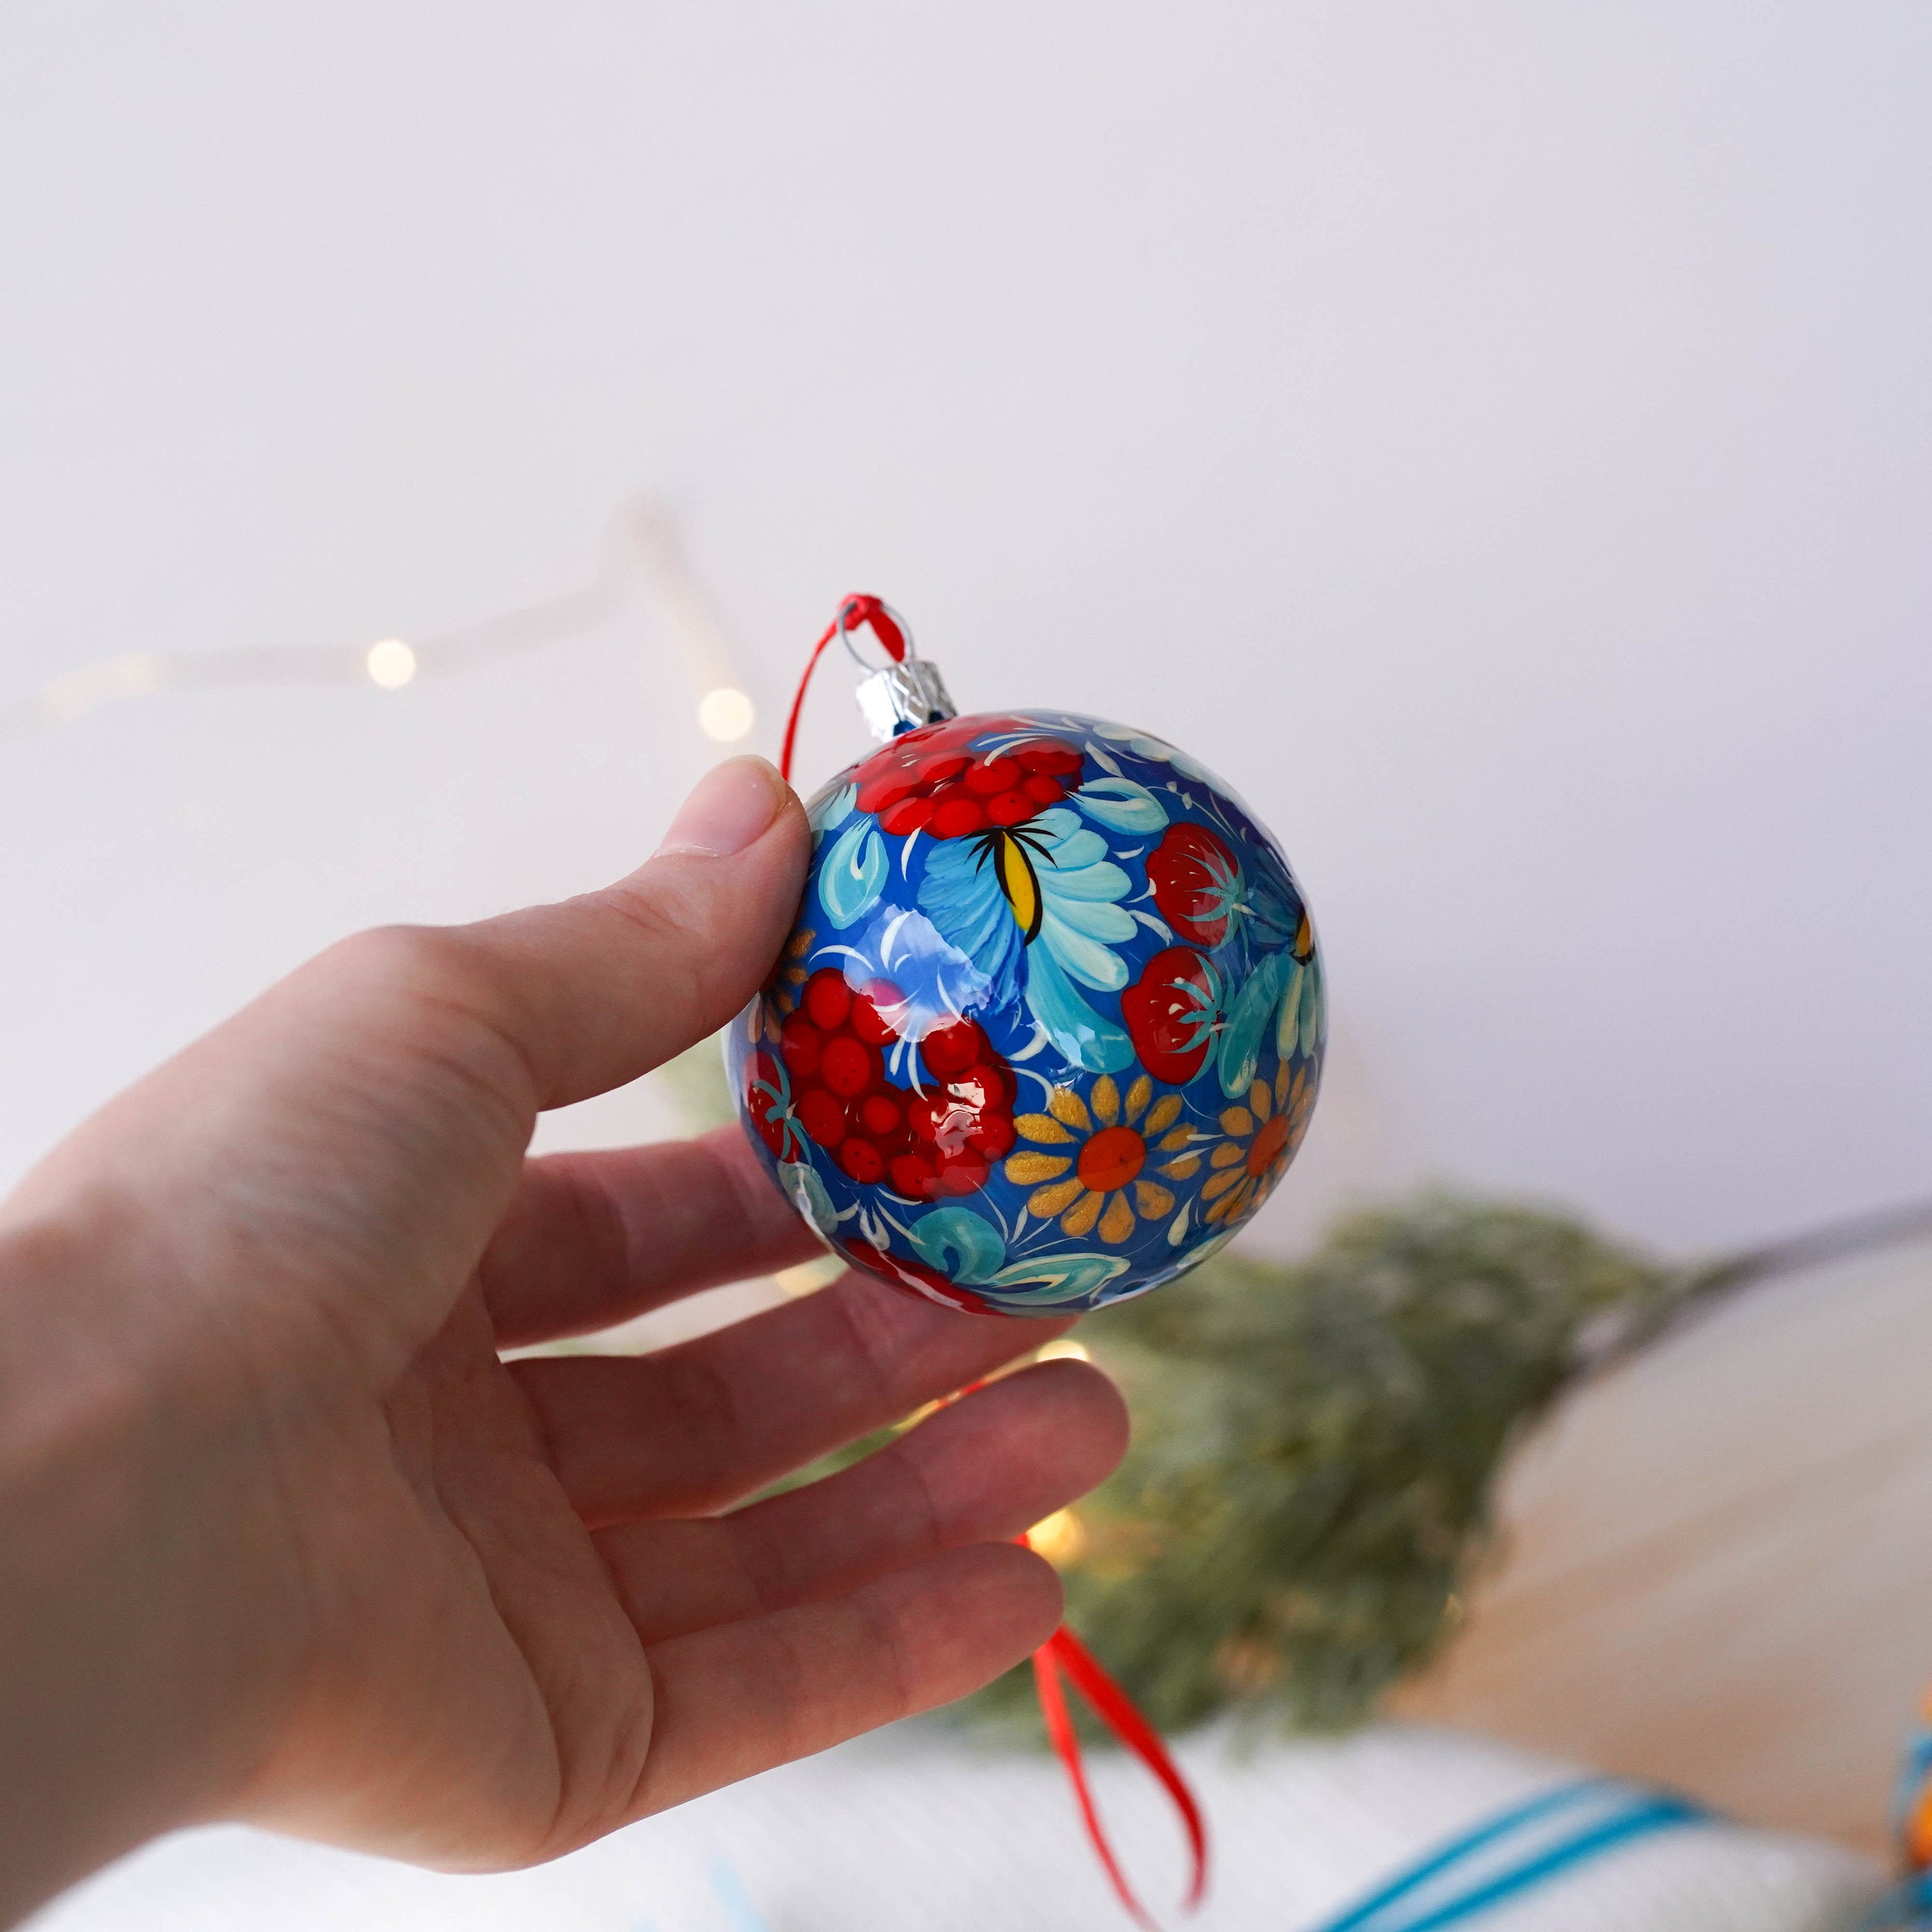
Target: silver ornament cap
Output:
{"points": [[903, 697]]}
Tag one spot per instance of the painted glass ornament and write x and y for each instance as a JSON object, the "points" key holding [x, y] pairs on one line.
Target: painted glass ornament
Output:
{"points": [[1049, 1027]]}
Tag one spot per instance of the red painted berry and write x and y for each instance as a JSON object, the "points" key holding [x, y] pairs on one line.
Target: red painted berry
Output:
{"points": [[908, 816], [828, 998], [996, 775], [952, 1047], [963, 1171], [981, 1087], [848, 1066], [800, 1045], [823, 1116], [1047, 755], [914, 1176], [874, 1008], [862, 1160], [957, 817]]}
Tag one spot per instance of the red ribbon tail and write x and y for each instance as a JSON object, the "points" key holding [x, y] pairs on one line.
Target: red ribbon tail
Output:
{"points": [[1067, 1742], [798, 701], [1116, 1710]]}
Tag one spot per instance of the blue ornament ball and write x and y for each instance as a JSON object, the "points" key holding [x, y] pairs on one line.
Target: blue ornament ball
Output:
{"points": [[1049, 1027]]}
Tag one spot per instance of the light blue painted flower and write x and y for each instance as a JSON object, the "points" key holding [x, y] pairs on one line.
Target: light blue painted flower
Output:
{"points": [[1122, 805], [1282, 989], [1303, 1023], [1036, 909], [936, 979]]}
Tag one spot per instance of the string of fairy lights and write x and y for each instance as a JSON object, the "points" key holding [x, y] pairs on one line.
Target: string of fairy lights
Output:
{"points": [[639, 554]]}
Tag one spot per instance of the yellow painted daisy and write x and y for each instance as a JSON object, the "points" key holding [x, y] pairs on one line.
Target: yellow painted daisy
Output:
{"points": [[1100, 1180], [1262, 1139], [789, 977]]}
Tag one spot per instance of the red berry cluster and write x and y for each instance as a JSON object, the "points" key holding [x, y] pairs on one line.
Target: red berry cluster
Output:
{"points": [[949, 794], [943, 1141]]}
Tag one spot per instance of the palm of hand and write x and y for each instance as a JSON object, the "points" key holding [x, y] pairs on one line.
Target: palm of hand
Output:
{"points": [[531, 1637], [370, 1582]]}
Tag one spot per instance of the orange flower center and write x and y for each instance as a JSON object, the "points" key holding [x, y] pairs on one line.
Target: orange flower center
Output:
{"points": [[1112, 1158], [1266, 1147]]}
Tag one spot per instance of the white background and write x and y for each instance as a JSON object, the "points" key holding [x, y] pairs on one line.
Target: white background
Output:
{"points": [[1494, 435]]}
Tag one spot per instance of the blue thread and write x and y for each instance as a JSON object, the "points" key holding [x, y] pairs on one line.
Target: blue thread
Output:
{"points": [[729, 1889], [1461, 1848], [1643, 1813], [1907, 1907]]}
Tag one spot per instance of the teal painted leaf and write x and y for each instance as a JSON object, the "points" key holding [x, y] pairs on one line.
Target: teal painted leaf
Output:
{"points": [[1248, 1017], [833, 809], [963, 1246], [854, 872], [807, 1193], [1052, 1279]]}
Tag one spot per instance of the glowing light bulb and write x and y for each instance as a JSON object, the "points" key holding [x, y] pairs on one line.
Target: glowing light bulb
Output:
{"points": [[725, 714], [1063, 1351], [390, 663], [1059, 1538]]}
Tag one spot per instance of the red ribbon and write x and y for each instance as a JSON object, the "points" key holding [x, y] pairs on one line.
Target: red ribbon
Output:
{"points": [[860, 608], [1064, 1650]]}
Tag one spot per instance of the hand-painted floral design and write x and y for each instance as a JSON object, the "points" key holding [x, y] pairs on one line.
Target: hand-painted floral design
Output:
{"points": [[767, 1104], [1196, 882], [949, 783], [1036, 909], [1041, 964], [1172, 1012], [788, 975], [904, 1272], [1101, 1179], [940, 1137], [1262, 1136]]}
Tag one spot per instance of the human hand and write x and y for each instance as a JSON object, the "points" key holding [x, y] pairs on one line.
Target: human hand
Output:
{"points": [[285, 1541]]}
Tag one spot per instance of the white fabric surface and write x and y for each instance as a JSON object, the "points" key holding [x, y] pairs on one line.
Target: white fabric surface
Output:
{"points": [[913, 1829]]}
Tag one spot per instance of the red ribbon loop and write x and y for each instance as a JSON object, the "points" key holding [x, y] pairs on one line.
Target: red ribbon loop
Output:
{"points": [[1064, 1650], [861, 607]]}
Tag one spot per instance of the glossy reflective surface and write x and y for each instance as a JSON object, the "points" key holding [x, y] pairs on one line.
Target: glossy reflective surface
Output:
{"points": [[1049, 1027]]}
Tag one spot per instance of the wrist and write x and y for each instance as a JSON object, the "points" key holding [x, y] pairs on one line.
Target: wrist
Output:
{"points": [[135, 1681]]}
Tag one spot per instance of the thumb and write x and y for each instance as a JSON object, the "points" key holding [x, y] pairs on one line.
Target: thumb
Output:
{"points": [[595, 991], [391, 1085]]}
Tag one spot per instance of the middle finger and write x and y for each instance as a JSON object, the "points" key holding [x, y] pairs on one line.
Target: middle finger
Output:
{"points": [[693, 1428]]}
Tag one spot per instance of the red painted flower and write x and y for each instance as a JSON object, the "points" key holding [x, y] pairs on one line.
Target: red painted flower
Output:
{"points": [[768, 1102], [932, 780], [1197, 883], [939, 1138], [1170, 1013]]}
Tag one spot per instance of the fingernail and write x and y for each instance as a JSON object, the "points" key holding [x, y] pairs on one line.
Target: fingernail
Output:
{"points": [[730, 806]]}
